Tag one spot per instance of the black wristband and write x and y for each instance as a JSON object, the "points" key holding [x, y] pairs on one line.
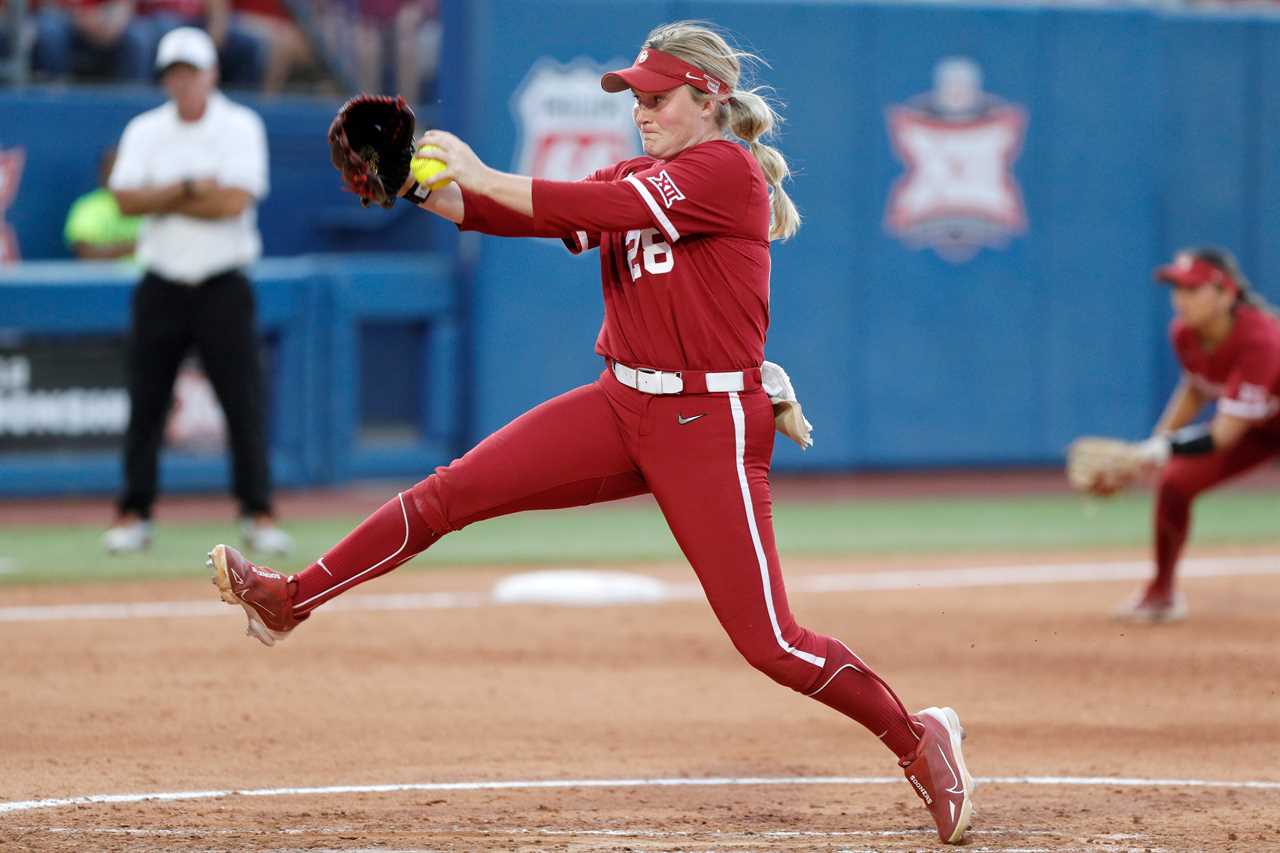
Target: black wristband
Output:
{"points": [[416, 194], [1194, 440], [188, 188]]}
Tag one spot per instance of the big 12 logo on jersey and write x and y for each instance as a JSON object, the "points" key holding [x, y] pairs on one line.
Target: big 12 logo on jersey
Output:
{"points": [[568, 125]]}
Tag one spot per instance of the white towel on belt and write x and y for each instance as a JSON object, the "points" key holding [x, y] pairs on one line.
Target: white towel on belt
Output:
{"points": [[788, 417]]}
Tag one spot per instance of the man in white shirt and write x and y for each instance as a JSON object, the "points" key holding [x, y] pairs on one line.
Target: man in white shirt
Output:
{"points": [[194, 168]]}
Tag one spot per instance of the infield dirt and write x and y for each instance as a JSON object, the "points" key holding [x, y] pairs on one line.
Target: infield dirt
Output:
{"points": [[1045, 682]]}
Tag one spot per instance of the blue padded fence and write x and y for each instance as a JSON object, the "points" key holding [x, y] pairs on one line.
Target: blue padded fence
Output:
{"points": [[311, 312], [1142, 131], [971, 285]]}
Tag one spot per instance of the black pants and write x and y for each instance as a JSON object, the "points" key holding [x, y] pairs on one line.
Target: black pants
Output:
{"points": [[218, 319]]}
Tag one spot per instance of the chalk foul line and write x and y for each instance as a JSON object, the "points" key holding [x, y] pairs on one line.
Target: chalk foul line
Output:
{"points": [[536, 784], [898, 579]]}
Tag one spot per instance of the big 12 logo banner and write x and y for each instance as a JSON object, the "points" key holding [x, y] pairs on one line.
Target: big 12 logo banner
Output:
{"points": [[958, 144], [568, 125]]}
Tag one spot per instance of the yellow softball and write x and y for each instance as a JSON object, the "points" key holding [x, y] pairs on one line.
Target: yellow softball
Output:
{"points": [[424, 168]]}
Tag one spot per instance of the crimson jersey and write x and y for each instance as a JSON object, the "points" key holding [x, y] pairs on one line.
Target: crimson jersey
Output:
{"points": [[684, 255], [1243, 372]]}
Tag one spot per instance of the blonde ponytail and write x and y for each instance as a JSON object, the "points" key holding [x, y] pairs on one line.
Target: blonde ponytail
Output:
{"points": [[745, 113], [751, 118]]}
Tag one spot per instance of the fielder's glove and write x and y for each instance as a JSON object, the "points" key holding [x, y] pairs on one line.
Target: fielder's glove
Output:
{"points": [[1104, 466], [371, 144]]}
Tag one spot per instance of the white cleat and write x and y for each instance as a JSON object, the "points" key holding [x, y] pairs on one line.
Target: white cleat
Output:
{"points": [[127, 538], [1153, 608], [265, 538]]}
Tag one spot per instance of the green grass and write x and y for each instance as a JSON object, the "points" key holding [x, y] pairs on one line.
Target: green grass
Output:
{"points": [[635, 532]]}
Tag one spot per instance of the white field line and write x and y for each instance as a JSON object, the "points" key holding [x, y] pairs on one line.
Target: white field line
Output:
{"points": [[1106, 842], [542, 784], [712, 836], [632, 832], [898, 579], [185, 609]]}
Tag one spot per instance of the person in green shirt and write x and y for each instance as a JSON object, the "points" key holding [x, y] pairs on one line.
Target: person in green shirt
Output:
{"points": [[96, 229]]}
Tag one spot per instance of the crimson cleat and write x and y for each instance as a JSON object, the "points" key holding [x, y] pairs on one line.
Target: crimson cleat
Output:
{"points": [[1154, 607], [265, 594], [937, 773]]}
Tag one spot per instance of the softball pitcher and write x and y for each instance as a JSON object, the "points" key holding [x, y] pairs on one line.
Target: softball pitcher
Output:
{"points": [[1228, 342], [683, 234]]}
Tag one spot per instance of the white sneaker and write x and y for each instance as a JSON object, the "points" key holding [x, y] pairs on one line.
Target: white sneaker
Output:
{"points": [[265, 538], [128, 537]]}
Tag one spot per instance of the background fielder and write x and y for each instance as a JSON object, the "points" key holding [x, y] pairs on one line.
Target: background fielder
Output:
{"points": [[1227, 340]]}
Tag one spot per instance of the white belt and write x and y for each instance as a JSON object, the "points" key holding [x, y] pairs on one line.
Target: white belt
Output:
{"points": [[672, 381]]}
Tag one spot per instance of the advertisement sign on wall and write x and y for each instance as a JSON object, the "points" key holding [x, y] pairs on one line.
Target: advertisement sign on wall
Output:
{"points": [[62, 394], [568, 125], [69, 394]]}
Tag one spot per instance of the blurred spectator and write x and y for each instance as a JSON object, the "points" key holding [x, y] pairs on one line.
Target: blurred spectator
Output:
{"points": [[389, 29], [92, 38], [287, 48], [12, 18], [383, 45], [241, 53], [96, 229], [195, 168]]}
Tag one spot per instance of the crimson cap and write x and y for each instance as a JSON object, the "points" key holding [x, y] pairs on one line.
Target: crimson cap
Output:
{"points": [[657, 71], [1187, 270]]}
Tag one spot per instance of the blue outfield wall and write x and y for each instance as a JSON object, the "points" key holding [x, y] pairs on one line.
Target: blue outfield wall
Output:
{"points": [[315, 313], [1143, 131], [971, 285], [44, 302]]}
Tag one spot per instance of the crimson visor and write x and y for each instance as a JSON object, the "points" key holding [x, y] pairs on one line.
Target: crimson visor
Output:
{"points": [[1189, 271], [655, 71]]}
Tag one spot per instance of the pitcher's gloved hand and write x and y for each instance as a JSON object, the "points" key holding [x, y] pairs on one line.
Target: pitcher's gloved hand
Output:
{"points": [[371, 144]]}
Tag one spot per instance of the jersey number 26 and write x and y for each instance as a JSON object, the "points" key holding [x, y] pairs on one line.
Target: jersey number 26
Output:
{"points": [[657, 256]]}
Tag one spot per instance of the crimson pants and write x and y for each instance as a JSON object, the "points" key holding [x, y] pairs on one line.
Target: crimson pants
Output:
{"points": [[704, 457], [1184, 477]]}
